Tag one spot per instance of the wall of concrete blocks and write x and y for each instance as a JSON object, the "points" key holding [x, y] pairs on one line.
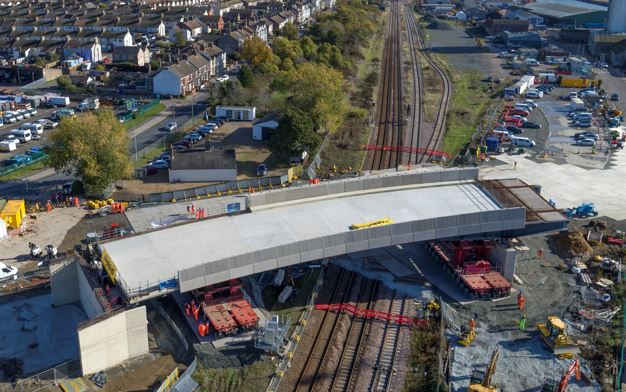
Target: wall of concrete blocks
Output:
{"points": [[348, 242], [360, 184]]}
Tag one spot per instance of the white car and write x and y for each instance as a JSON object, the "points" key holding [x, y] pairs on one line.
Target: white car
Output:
{"points": [[534, 94], [7, 272], [223, 78], [11, 138], [170, 127], [24, 113]]}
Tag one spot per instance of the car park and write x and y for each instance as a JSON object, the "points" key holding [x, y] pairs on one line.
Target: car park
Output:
{"points": [[532, 125], [261, 170], [585, 142]]}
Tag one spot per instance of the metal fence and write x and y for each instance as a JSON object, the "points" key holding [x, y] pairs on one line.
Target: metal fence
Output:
{"points": [[316, 162], [34, 157], [47, 380], [141, 110]]}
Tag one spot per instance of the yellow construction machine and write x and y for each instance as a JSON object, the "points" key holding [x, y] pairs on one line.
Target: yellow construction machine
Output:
{"points": [[554, 336], [483, 384]]}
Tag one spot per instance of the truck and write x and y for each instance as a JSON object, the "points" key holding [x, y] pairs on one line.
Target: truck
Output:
{"points": [[520, 87], [577, 104], [570, 81], [89, 104], [59, 101]]}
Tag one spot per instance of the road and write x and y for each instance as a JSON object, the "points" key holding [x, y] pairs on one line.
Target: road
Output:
{"points": [[39, 185]]}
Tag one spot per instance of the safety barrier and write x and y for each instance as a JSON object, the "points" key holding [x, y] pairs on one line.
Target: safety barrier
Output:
{"points": [[46, 380], [141, 110], [33, 158], [400, 319]]}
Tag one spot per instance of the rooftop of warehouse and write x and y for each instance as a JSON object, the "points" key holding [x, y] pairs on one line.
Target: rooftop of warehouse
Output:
{"points": [[159, 255], [557, 10]]}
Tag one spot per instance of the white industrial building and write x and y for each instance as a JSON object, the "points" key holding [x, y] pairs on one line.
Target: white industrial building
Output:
{"points": [[205, 165], [236, 113]]}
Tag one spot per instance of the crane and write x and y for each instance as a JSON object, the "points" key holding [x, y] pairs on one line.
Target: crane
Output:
{"points": [[485, 384], [574, 368]]}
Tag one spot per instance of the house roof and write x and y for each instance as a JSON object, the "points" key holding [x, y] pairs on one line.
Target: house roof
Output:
{"points": [[204, 160], [191, 24], [126, 50]]}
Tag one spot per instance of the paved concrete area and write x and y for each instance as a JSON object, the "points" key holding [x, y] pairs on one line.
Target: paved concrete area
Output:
{"points": [[39, 334], [48, 228], [158, 255]]}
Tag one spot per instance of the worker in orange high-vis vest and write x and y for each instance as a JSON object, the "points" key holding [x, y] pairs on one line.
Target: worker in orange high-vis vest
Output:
{"points": [[187, 309], [202, 329], [521, 302], [196, 312]]}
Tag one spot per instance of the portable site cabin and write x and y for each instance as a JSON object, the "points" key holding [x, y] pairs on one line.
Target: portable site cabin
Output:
{"points": [[262, 129], [236, 113], [13, 213]]}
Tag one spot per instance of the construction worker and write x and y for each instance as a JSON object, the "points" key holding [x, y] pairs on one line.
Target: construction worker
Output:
{"points": [[540, 253], [207, 324], [187, 309], [472, 324], [202, 329], [196, 312], [522, 323], [521, 301]]}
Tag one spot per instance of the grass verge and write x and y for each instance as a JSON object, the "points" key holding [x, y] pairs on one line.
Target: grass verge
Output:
{"points": [[147, 156], [470, 99], [23, 171], [423, 363], [251, 378], [142, 118], [296, 304]]}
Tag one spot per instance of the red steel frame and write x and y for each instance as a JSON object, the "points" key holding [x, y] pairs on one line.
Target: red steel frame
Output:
{"points": [[370, 313]]}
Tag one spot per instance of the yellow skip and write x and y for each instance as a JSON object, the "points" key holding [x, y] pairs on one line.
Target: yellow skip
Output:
{"points": [[380, 222]]}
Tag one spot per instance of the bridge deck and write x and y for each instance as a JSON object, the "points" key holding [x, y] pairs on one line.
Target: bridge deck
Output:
{"points": [[156, 256]]}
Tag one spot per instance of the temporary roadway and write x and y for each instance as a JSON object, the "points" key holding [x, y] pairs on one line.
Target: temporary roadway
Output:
{"points": [[301, 224]]}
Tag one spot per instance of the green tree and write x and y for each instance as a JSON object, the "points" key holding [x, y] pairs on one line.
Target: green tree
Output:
{"points": [[317, 90], [245, 76], [309, 48], [295, 134], [289, 31], [99, 67], [286, 50], [41, 62], [331, 55], [65, 83], [94, 146], [181, 39], [256, 52], [54, 57]]}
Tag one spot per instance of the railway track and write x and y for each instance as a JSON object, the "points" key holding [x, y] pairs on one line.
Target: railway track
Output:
{"points": [[415, 126], [436, 136], [389, 116], [345, 376], [315, 359], [382, 377]]}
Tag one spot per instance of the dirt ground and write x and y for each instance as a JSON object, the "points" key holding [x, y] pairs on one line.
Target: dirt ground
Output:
{"points": [[46, 228], [140, 374], [76, 234]]}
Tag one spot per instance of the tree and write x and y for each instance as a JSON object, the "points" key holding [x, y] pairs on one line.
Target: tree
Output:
{"points": [[54, 57], [289, 31], [309, 48], [286, 50], [295, 134], [181, 39], [41, 62], [65, 83], [317, 90], [100, 67], [245, 76], [256, 52], [94, 146]]}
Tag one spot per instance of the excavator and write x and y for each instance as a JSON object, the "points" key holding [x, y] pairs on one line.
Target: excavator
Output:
{"points": [[484, 384], [574, 368], [554, 336]]}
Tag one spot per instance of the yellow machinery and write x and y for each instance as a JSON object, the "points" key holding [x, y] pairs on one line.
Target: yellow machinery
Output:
{"points": [[483, 384], [467, 337], [553, 335], [380, 222]]}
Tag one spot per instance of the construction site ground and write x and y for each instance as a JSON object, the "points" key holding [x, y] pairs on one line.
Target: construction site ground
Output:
{"points": [[524, 364]]}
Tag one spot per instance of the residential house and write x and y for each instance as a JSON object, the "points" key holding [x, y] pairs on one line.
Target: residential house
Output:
{"points": [[109, 39], [183, 77], [217, 60], [226, 43], [90, 51], [137, 55], [279, 22], [302, 11], [72, 61], [192, 28], [213, 23]]}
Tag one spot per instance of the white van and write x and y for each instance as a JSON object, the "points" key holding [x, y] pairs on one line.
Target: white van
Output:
{"points": [[33, 128], [582, 116], [7, 146], [9, 118], [522, 141], [523, 106], [23, 135], [531, 62]]}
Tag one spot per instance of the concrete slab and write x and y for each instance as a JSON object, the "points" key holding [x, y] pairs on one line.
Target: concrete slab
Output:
{"points": [[159, 255], [39, 334]]}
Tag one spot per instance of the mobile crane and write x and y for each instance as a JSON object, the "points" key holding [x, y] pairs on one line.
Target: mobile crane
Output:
{"points": [[484, 384]]}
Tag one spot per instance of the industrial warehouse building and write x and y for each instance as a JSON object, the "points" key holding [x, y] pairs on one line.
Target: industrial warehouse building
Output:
{"points": [[558, 14]]}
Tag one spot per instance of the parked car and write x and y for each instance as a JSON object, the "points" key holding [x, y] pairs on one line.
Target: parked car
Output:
{"points": [[585, 142], [534, 94], [158, 164], [582, 124], [528, 124], [518, 112], [519, 117], [192, 138], [171, 127], [615, 97], [181, 146], [11, 138], [223, 78], [514, 129], [33, 112], [47, 123], [261, 170], [166, 156], [25, 113], [586, 135]]}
